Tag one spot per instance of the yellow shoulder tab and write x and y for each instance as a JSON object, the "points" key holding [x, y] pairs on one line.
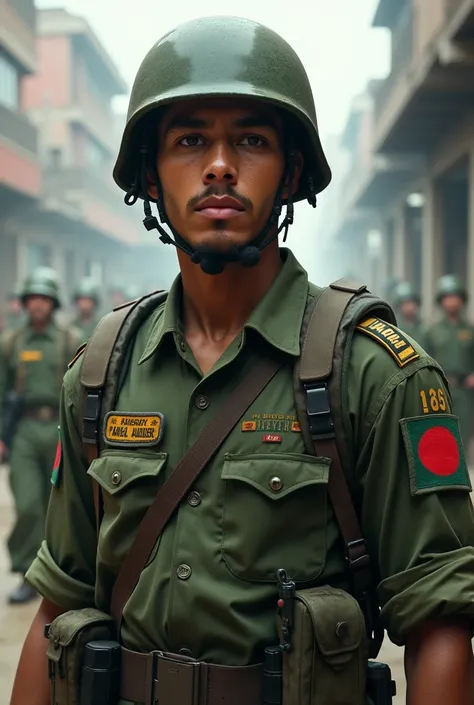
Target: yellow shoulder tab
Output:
{"points": [[391, 338], [78, 354]]}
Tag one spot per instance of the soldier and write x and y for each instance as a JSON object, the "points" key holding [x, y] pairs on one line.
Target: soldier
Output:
{"points": [[222, 136], [407, 307], [86, 301], [33, 359], [451, 342], [14, 317]]}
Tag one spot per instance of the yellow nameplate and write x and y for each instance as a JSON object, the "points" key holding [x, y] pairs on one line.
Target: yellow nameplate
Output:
{"points": [[31, 355], [391, 338], [134, 429]]}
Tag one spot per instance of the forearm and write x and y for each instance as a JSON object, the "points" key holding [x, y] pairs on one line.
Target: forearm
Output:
{"points": [[438, 661], [31, 686]]}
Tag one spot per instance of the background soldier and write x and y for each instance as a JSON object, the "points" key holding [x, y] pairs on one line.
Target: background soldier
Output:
{"points": [[14, 316], [33, 360], [407, 306], [87, 302], [451, 342]]}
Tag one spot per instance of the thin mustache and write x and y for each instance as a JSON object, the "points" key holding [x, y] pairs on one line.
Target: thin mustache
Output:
{"points": [[214, 191]]}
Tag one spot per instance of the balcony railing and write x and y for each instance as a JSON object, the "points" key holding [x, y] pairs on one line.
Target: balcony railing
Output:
{"points": [[17, 128]]}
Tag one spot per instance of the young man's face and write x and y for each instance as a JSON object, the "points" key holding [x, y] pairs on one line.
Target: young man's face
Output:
{"points": [[85, 306], [220, 163], [409, 309]]}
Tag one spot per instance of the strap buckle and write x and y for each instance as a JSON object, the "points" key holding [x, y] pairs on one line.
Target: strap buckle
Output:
{"points": [[175, 680], [357, 555], [318, 411], [91, 416]]}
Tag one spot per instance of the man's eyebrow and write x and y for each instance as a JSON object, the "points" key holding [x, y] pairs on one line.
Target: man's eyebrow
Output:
{"points": [[183, 122], [257, 121]]}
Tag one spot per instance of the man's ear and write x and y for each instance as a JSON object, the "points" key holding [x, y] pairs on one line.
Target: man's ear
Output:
{"points": [[297, 171], [151, 187]]}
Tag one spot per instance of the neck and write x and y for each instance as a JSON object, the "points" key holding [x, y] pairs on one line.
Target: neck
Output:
{"points": [[453, 317], [218, 306], [40, 326]]}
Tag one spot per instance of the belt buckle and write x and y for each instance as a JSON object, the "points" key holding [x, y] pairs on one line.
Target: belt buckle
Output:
{"points": [[45, 413], [175, 680]]}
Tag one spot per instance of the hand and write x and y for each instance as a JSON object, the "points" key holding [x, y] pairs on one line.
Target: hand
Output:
{"points": [[469, 381]]}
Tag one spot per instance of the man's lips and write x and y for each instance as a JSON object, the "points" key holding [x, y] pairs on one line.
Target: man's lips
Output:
{"points": [[220, 207]]}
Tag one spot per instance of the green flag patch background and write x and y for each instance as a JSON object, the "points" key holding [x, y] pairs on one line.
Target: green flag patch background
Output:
{"points": [[435, 454]]}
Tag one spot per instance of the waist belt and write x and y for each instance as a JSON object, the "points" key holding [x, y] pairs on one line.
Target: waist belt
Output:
{"points": [[172, 679], [41, 413]]}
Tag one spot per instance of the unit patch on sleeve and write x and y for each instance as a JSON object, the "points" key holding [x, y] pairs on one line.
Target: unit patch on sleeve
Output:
{"points": [[435, 454], [391, 338], [134, 429]]}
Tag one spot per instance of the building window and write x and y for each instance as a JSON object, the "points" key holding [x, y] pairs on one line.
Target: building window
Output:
{"points": [[37, 256], [9, 83]]}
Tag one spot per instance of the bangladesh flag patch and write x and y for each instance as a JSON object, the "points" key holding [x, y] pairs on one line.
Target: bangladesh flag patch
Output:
{"points": [[57, 464], [435, 454]]}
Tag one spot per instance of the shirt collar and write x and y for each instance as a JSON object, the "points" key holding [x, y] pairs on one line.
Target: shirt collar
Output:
{"points": [[277, 317]]}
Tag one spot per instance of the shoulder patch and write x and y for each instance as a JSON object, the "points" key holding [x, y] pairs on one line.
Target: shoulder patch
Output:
{"points": [[435, 454], [78, 354], [391, 338]]}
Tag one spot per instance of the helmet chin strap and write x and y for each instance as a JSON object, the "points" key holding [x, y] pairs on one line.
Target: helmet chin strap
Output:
{"points": [[211, 260]]}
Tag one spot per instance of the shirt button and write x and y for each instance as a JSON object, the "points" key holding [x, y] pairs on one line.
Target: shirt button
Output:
{"points": [[183, 571], [116, 478], [275, 484], [194, 499], [182, 345], [185, 652], [201, 401]]}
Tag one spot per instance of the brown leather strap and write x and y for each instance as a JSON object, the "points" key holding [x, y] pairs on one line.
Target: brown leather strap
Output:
{"points": [[172, 679], [316, 362], [182, 478]]}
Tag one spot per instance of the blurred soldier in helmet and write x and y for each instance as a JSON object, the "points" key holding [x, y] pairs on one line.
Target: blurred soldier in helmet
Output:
{"points": [[15, 316], [33, 359], [209, 424], [451, 342], [86, 302], [406, 302]]}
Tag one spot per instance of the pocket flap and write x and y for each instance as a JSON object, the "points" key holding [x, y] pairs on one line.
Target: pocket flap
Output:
{"points": [[64, 629], [115, 471], [276, 474], [338, 622]]}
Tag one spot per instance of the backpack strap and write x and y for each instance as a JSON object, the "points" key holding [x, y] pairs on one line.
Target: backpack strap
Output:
{"points": [[105, 355], [314, 370]]}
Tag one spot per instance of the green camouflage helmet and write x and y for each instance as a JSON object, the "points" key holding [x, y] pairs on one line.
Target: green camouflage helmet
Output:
{"points": [[87, 289], [405, 292], [43, 281], [224, 57], [450, 284]]}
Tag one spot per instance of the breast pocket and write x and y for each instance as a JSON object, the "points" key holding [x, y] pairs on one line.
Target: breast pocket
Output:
{"points": [[274, 515], [129, 483]]}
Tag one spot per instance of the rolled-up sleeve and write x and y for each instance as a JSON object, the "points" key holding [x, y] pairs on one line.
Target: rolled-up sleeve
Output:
{"points": [[417, 514], [65, 568]]}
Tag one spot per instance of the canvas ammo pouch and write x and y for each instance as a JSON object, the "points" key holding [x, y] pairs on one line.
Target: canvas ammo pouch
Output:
{"points": [[327, 662], [68, 636]]}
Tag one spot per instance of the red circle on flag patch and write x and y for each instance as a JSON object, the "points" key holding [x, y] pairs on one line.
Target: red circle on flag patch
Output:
{"points": [[438, 451]]}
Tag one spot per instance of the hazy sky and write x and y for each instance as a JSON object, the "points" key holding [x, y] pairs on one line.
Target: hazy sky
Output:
{"points": [[333, 38]]}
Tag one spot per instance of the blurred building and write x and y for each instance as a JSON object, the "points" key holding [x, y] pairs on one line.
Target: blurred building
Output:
{"points": [[413, 176], [20, 173], [59, 138]]}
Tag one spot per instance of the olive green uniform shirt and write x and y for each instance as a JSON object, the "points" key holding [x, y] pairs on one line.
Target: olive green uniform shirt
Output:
{"points": [[210, 582], [33, 363]]}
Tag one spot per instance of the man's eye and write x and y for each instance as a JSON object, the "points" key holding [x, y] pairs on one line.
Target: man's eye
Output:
{"points": [[252, 141], [191, 141]]}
